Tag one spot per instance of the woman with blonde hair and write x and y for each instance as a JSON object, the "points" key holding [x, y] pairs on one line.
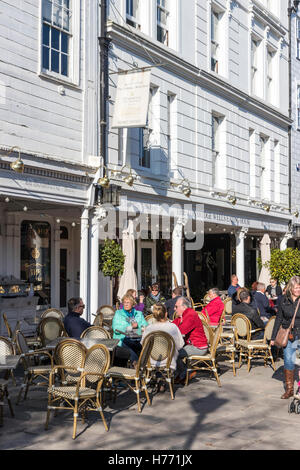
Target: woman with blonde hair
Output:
{"points": [[138, 306], [286, 309], [124, 318]]}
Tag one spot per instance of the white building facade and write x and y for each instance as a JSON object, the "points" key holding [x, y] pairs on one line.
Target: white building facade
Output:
{"points": [[218, 119], [217, 127]]}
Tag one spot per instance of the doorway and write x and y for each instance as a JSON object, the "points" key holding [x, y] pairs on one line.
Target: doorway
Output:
{"points": [[147, 270]]}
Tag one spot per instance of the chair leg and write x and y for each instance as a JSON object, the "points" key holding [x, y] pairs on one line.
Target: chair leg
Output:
{"points": [[170, 380], [9, 403], [249, 362], [75, 416], [216, 374], [146, 391], [137, 391], [99, 404]]}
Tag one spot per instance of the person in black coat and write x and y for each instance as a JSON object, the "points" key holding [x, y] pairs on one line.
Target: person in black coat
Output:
{"points": [[262, 302], [246, 309], [274, 289], [170, 303], [286, 310]]}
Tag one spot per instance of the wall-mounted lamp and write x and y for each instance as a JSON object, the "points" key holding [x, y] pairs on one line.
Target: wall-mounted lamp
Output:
{"points": [[184, 187], [129, 179], [17, 165], [104, 181], [232, 199], [296, 213], [266, 207]]}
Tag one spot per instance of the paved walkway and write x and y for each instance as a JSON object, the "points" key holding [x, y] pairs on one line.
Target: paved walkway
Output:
{"points": [[245, 413]]}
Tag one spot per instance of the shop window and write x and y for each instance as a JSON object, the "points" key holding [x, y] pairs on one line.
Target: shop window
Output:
{"points": [[36, 257]]}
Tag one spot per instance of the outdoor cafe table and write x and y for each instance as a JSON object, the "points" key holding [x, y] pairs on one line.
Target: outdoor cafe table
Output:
{"points": [[111, 344], [136, 333], [9, 362]]}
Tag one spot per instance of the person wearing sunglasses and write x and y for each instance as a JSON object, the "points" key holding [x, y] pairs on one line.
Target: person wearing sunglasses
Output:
{"points": [[74, 325]]}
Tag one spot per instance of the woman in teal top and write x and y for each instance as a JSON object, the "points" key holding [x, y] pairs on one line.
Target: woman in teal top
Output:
{"points": [[128, 317]]}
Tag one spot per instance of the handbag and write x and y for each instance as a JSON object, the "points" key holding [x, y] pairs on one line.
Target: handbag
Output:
{"points": [[283, 334]]}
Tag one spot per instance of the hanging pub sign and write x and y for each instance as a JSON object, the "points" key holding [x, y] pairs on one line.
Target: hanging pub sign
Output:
{"points": [[132, 99]]}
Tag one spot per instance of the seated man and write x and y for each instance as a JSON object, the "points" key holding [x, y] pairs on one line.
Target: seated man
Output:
{"points": [[74, 325], [170, 304], [246, 309], [233, 286], [262, 303], [215, 307], [191, 327]]}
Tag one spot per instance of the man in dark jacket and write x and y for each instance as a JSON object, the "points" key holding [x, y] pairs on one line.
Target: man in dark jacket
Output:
{"points": [[262, 302], [170, 303], [75, 325], [246, 309]]}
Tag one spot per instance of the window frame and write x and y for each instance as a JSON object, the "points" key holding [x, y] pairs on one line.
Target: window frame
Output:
{"points": [[214, 27], [73, 50], [163, 26], [132, 20]]}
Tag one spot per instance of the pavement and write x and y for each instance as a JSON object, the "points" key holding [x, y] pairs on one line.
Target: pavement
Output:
{"points": [[245, 413]]}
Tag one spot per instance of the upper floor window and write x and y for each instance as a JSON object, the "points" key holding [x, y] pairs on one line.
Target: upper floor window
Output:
{"points": [[214, 41], [132, 13], [56, 36], [270, 75], [298, 107], [162, 22], [254, 65], [298, 38]]}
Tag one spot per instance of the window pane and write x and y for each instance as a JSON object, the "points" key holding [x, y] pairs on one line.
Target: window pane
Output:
{"points": [[46, 34], [66, 20], [55, 39], [55, 61], [45, 58], [47, 10], [64, 65], [66, 3], [57, 16], [64, 43]]}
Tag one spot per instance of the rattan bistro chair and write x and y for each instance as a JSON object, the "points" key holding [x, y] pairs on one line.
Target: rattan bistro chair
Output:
{"points": [[52, 312], [32, 372], [51, 328], [107, 312], [138, 375], [86, 395], [162, 351], [95, 332], [207, 362], [70, 353], [6, 349], [248, 348]]}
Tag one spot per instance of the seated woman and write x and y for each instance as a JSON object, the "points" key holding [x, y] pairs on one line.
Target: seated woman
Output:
{"points": [[138, 306], [163, 324], [154, 297], [128, 317]]}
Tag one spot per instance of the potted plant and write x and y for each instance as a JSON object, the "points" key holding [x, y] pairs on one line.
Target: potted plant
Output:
{"points": [[284, 264], [111, 261]]}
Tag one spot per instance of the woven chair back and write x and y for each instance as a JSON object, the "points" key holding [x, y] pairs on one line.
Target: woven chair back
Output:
{"points": [[52, 312], [203, 317], [70, 353], [208, 333], [95, 332], [107, 311], [97, 360], [22, 348], [242, 326], [50, 328], [150, 319], [98, 321], [9, 330], [228, 306], [215, 342], [6, 347], [145, 353], [163, 347], [269, 329]]}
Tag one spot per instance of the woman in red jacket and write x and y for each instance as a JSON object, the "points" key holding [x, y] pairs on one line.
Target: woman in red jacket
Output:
{"points": [[215, 307]]}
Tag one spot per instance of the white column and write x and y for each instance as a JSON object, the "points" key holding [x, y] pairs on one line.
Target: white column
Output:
{"points": [[11, 246], [84, 261], [284, 240], [240, 255], [177, 258], [55, 276], [98, 215]]}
